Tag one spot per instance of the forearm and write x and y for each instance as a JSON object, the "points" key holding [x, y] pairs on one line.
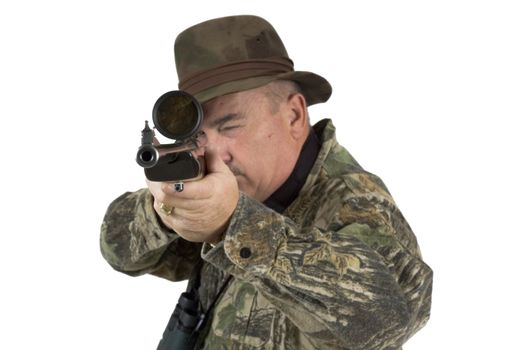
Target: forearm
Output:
{"points": [[332, 286], [134, 242]]}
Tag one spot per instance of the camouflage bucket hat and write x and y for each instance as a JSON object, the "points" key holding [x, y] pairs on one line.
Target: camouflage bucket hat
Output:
{"points": [[237, 53]]}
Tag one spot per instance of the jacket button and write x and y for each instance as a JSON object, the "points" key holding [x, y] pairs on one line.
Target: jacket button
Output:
{"points": [[245, 252]]}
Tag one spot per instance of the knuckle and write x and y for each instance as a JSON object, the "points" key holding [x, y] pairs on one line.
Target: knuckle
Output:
{"points": [[160, 197], [166, 188]]}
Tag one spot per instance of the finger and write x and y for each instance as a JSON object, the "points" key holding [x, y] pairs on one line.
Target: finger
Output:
{"points": [[214, 163], [163, 192], [156, 189], [172, 211], [193, 190], [163, 209]]}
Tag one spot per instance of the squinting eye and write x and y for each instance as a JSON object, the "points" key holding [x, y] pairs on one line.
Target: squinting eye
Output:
{"points": [[228, 128]]}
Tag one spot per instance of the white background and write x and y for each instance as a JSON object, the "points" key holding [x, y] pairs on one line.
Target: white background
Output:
{"points": [[428, 95]]}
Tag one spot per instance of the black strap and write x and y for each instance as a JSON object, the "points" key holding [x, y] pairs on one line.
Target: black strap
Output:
{"points": [[193, 285], [211, 307], [194, 289]]}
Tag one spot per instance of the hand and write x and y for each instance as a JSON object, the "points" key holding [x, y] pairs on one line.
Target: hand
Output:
{"points": [[201, 212]]}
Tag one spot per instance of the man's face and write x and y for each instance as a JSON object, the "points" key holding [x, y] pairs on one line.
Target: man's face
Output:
{"points": [[251, 134]]}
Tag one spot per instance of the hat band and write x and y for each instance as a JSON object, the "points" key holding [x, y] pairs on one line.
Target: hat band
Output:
{"points": [[232, 71]]}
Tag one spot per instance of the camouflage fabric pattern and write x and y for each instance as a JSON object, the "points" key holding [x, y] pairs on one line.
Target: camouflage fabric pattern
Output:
{"points": [[219, 45], [340, 269]]}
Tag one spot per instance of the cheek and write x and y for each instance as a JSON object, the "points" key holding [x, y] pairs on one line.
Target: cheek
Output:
{"points": [[254, 156], [257, 151]]}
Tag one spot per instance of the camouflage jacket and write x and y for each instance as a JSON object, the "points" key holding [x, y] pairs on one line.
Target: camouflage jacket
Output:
{"points": [[339, 269]]}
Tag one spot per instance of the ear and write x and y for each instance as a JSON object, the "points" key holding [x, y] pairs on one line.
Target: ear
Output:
{"points": [[297, 116]]}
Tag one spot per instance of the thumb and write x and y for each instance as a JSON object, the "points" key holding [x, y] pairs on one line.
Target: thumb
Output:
{"points": [[214, 163]]}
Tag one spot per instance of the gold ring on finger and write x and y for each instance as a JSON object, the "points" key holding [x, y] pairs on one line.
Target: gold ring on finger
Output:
{"points": [[167, 210]]}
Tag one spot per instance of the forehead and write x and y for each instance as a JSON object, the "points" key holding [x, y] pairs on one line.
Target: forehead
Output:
{"points": [[244, 103]]}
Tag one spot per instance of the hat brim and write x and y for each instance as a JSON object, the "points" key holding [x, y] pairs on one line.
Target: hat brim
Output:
{"points": [[315, 88]]}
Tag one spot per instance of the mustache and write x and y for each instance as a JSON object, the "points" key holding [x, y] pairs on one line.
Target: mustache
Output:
{"points": [[235, 170]]}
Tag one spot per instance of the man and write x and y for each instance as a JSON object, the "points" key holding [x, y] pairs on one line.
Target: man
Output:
{"points": [[296, 246]]}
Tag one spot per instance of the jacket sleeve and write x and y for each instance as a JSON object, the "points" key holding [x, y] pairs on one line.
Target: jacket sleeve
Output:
{"points": [[353, 280], [135, 242]]}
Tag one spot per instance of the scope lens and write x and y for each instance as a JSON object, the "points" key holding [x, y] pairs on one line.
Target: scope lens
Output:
{"points": [[177, 115]]}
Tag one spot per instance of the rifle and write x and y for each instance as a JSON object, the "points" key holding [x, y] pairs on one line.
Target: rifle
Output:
{"points": [[178, 116]]}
